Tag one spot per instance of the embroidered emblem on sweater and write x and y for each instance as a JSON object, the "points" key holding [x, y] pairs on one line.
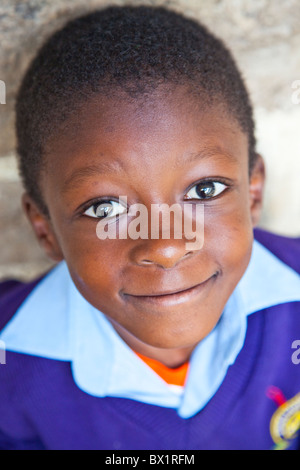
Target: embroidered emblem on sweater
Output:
{"points": [[285, 422]]}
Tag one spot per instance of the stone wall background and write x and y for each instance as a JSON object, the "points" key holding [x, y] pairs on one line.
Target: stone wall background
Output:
{"points": [[264, 36]]}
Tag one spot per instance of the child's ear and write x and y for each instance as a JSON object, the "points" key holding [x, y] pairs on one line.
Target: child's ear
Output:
{"points": [[42, 227], [257, 182]]}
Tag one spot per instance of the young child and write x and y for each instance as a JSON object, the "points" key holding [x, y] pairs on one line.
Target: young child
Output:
{"points": [[141, 342]]}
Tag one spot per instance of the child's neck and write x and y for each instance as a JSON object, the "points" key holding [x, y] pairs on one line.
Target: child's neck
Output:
{"points": [[171, 358]]}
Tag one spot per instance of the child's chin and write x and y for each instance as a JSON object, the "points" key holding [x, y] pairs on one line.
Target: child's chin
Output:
{"points": [[176, 336]]}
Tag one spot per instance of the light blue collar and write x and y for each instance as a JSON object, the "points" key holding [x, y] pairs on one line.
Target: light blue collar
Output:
{"points": [[56, 322]]}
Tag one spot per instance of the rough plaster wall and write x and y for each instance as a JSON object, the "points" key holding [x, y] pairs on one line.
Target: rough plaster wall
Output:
{"points": [[264, 36]]}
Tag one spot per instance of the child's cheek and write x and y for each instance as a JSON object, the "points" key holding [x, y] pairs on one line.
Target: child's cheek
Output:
{"points": [[97, 266], [229, 236]]}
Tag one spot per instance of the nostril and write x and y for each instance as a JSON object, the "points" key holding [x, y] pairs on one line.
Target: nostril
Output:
{"points": [[149, 261], [160, 253]]}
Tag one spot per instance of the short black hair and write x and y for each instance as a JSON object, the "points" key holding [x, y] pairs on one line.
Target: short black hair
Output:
{"points": [[133, 48]]}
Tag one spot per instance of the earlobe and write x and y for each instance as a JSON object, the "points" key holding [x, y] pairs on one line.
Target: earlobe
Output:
{"points": [[257, 182], [42, 228]]}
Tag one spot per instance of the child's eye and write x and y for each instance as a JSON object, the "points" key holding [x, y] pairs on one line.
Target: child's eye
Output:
{"points": [[105, 209], [206, 190]]}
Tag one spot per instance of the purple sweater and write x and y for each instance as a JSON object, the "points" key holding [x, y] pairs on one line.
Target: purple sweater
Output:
{"points": [[42, 408]]}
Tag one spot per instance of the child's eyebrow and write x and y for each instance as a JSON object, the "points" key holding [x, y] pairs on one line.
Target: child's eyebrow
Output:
{"points": [[215, 152], [115, 166], [118, 166]]}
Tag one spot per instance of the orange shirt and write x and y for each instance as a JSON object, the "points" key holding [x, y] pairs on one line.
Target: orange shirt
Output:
{"points": [[175, 376]]}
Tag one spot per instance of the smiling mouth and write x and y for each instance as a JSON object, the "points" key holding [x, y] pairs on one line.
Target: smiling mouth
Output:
{"points": [[174, 297]]}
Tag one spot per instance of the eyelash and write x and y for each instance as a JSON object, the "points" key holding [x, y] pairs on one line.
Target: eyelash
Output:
{"points": [[219, 181], [98, 202]]}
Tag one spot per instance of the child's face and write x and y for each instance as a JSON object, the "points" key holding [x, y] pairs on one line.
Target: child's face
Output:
{"points": [[151, 152]]}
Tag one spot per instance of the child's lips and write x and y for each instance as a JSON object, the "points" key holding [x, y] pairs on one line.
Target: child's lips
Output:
{"points": [[174, 297]]}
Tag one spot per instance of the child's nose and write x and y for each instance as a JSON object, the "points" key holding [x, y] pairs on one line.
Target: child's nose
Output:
{"points": [[162, 253]]}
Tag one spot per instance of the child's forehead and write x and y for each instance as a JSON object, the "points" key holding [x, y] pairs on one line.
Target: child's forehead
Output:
{"points": [[172, 116], [145, 144]]}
